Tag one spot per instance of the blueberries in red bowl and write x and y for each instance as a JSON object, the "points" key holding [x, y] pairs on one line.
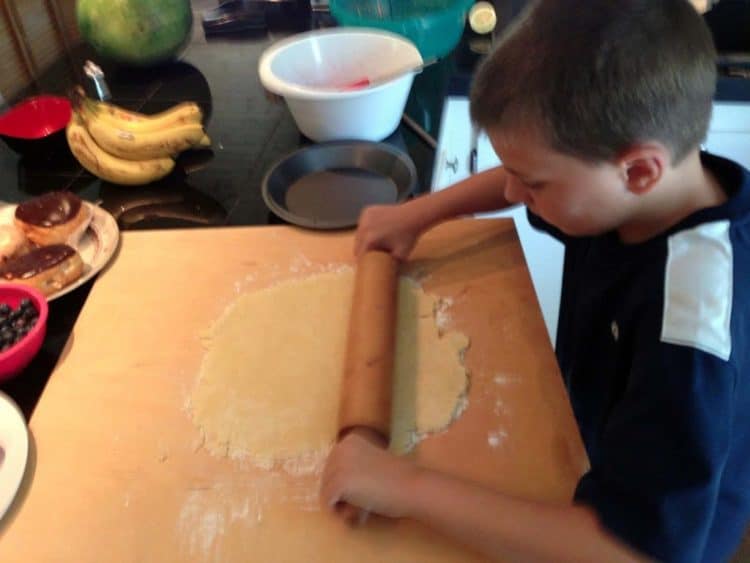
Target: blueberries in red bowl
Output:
{"points": [[23, 325], [16, 323]]}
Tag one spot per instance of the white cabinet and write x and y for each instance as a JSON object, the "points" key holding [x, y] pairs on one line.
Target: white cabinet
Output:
{"points": [[729, 132]]}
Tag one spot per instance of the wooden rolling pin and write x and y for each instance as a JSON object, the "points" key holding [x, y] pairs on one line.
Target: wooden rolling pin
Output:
{"points": [[366, 390]]}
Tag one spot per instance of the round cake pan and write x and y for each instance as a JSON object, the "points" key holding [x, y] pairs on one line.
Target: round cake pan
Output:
{"points": [[327, 185]]}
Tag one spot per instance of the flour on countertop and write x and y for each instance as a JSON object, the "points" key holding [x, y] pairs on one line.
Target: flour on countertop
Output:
{"points": [[337, 267], [500, 407], [305, 495], [300, 263], [442, 314], [461, 405], [311, 270], [207, 512], [503, 379], [198, 527], [496, 438], [308, 463], [260, 463]]}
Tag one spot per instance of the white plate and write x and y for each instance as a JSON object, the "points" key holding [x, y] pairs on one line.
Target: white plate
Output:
{"points": [[97, 246], [14, 451]]}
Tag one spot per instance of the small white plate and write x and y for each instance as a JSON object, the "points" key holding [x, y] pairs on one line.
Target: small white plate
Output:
{"points": [[14, 451], [97, 246]]}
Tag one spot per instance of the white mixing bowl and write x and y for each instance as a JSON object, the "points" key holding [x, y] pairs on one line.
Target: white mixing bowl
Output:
{"points": [[311, 71]]}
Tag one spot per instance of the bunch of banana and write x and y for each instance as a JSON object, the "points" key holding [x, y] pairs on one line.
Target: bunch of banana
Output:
{"points": [[129, 148]]}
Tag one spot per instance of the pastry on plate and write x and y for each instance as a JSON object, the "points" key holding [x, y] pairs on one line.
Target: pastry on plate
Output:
{"points": [[53, 218], [48, 268], [12, 242]]}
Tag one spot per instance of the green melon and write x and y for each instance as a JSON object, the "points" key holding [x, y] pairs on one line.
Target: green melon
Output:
{"points": [[137, 32]]}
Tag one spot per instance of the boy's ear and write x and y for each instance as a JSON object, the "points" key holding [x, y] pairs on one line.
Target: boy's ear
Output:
{"points": [[643, 165]]}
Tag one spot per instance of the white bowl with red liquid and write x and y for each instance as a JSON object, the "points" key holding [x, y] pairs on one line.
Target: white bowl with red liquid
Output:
{"points": [[330, 80]]}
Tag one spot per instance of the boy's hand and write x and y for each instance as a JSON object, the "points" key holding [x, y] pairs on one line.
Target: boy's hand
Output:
{"points": [[390, 228], [361, 474]]}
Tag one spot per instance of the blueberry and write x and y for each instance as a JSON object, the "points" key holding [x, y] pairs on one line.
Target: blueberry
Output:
{"points": [[25, 303], [20, 322], [4, 309]]}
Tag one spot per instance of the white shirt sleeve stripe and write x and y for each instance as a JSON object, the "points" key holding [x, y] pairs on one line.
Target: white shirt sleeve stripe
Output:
{"points": [[698, 289]]}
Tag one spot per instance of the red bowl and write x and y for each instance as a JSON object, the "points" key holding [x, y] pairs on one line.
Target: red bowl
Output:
{"points": [[17, 357], [34, 121]]}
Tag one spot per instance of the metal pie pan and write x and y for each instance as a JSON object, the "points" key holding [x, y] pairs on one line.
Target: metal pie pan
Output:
{"points": [[326, 185]]}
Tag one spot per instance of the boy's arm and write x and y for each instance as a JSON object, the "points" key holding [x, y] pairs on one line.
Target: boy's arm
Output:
{"points": [[503, 527], [395, 228], [476, 194], [491, 523]]}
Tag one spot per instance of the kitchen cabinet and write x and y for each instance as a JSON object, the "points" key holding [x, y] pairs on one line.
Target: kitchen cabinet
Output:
{"points": [[33, 34], [728, 135], [729, 131]]}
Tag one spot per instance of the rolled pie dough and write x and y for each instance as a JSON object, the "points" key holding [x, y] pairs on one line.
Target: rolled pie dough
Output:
{"points": [[269, 383]]}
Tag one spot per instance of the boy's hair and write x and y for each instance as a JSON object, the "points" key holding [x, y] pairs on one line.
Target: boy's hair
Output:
{"points": [[595, 77]]}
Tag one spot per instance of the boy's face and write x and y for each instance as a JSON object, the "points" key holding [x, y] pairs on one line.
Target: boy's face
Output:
{"points": [[578, 197]]}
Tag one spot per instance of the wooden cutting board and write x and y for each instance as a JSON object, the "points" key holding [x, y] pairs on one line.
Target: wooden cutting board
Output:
{"points": [[118, 472]]}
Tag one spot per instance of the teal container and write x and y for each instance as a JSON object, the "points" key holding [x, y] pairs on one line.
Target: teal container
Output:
{"points": [[434, 26]]}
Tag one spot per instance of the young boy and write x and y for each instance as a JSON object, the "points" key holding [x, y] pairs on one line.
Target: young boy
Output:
{"points": [[597, 110]]}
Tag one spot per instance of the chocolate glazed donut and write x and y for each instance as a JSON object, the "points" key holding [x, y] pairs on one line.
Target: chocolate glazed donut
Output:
{"points": [[53, 218], [49, 268]]}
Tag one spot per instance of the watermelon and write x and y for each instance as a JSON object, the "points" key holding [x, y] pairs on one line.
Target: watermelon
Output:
{"points": [[136, 32]]}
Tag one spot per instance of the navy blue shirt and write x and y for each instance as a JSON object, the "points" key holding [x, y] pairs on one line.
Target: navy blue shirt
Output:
{"points": [[653, 342]]}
